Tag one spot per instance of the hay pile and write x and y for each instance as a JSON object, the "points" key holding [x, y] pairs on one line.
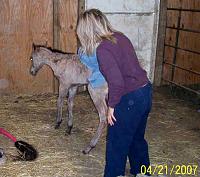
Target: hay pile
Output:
{"points": [[173, 135]]}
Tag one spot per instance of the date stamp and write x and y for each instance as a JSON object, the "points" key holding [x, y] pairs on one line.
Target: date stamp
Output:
{"points": [[170, 170]]}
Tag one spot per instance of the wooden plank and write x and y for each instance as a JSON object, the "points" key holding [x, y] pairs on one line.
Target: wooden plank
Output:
{"points": [[169, 53], [22, 23], [167, 70], [161, 40], [172, 18], [170, 38], [185, 78], [190, 20], [81, 9], [189, 61], [41, 27], [56, 37], [188, 40], [56, 29], [190, 4], [174, 3], [185, 4], [68, 15], [65, 14]]}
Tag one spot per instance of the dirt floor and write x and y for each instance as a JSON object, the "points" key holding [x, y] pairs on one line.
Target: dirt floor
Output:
{"points": [[173, 134]]}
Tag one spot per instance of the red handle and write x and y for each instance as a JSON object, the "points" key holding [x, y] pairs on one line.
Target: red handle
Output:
{"points": [[7, 134]]}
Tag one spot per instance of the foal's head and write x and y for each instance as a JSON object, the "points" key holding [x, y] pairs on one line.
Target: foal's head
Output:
{"points": [[39, 54]]}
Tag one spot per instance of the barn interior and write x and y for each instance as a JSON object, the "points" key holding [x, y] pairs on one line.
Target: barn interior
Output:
{"points": [[166, 37]]}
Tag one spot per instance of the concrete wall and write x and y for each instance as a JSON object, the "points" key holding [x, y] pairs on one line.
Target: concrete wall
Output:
{"points": [[138, 19]]}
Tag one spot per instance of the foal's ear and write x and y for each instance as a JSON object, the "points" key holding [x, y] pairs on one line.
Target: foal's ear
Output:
{"points": [[33, 46]]}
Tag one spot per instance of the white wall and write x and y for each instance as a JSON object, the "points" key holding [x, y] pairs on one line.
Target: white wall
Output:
{"points": [[138, 19]]}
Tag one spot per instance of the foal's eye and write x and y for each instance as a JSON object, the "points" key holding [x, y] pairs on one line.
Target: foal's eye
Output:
{"points": [[31, 59]]}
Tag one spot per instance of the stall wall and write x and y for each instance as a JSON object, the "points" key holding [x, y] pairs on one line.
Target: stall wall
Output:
{"points": [[182, 43], [138, 19], [23, 22]]}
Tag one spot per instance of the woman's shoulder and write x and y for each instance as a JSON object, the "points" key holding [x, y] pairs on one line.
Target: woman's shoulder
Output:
{"points": [[119, 35], [120, 38], [106, 44]]}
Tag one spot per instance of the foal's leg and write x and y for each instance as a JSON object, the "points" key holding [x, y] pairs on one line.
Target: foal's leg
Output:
{"points": [[62, 93], [98, 96], [70, 102]]}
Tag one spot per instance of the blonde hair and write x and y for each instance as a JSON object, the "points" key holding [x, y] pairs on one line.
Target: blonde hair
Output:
{"points": [[93, 27]]}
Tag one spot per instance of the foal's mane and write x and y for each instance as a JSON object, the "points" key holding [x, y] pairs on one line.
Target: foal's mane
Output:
{"points": [[53, 50], [56, 54]]}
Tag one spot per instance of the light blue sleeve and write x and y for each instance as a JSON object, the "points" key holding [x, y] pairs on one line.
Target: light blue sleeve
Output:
{"points": [[96, 79]]}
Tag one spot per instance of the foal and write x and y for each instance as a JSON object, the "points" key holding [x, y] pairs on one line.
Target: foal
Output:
{"points": [[71, 73]]}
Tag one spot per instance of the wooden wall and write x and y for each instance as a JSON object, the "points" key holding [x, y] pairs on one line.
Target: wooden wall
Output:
{"points": [[23, 22], [186, 40]]}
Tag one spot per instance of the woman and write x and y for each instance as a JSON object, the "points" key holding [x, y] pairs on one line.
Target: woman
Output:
{"points": [[129, 92]]}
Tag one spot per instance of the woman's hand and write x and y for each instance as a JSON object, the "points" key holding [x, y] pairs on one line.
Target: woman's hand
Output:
{"points": [[110, 116]]}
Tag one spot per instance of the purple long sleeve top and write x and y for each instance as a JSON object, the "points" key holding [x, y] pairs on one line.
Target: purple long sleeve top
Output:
{"points": [[120, 66]]}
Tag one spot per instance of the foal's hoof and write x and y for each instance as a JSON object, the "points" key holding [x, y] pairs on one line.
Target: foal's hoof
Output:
{"points": [[69, 130], [2, 157], [58, 124], [88, 149]]}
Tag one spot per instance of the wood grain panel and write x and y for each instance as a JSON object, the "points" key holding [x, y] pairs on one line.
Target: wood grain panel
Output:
{"points": [[174, 3], [190, 20], [185, 78], [41, 32], [190, 4], [185, 4], [180, 76], [167, 71], [172, 18], [68, 15], [169, 53], [188, 40], [22, 22], [170, 36], [188, 61]]}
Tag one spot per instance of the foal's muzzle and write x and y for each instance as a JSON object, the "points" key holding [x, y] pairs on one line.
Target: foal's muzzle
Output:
{"points": [[33, 71]]}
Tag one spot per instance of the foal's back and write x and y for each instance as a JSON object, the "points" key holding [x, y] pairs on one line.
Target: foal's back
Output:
{"points": [[71, 69]]}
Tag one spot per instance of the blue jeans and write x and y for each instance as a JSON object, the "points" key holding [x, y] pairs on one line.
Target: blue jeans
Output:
{"points": [[126, 137]]}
